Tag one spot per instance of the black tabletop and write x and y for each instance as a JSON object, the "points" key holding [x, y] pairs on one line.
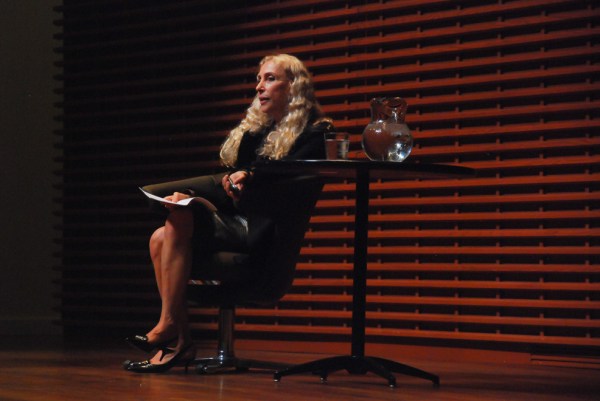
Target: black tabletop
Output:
{"points": [[376, 169]]}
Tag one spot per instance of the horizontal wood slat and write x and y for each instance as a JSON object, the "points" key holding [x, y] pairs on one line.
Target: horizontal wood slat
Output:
{"points": [[452, 284], [449, 301], [423, 301], [407, 283], [327, 331], [247, 314], [458, 249], [464, 233], [278, 314], [305, 268], [506, 259], [455, 267]]}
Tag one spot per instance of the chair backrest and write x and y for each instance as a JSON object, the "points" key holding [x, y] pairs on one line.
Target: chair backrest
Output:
{"points": [[281, 207], [278, 208]]}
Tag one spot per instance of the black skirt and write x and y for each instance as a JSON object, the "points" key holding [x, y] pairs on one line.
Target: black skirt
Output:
{"points": [[220, 239]]}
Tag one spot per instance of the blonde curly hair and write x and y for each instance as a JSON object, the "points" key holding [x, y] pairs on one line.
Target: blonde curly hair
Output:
{"points": [[302, 104]]}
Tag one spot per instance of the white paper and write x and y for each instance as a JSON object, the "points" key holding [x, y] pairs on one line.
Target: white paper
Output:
{"points": [[182, 202]]}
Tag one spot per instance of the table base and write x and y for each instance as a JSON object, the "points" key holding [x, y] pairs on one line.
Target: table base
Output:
{"points": [[357, 365]]}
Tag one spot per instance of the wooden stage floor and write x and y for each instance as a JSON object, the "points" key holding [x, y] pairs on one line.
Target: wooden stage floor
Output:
{"points": [[53, 373]]}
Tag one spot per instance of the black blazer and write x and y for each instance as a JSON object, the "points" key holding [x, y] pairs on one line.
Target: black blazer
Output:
{"points": [[310, 144]]}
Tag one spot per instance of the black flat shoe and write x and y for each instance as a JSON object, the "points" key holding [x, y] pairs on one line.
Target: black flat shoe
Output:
{"points": [[141, 343], [179, 359]]}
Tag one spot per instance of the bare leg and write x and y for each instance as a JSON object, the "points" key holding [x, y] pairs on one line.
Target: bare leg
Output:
{"points": [[170, 249], [162, 331], [156, 244]]}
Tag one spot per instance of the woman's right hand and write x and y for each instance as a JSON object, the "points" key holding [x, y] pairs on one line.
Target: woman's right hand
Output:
{"points": [[239, 180]]}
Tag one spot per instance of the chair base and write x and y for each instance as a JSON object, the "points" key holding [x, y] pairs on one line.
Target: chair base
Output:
{"points": [[220, 364], [225, 359]]}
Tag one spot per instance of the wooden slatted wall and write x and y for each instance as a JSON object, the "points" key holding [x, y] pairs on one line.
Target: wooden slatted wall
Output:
{"points": [[507, 260]]}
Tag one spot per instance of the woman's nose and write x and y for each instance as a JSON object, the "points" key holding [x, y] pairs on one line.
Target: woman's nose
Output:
{"points": [[259, 86]]}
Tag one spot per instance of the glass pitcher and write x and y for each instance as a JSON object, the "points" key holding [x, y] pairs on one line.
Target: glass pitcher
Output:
{"points": [[387, 137]]}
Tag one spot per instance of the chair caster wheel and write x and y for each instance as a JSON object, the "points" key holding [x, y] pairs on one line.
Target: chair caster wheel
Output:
{"points": [[202, 369]]}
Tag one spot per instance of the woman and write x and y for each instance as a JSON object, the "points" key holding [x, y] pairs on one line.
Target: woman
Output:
{"points": [[284, 121]]}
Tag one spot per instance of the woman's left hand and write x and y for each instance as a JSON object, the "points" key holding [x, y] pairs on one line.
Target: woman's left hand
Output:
{"points": [[239, 180], [176, 197]]}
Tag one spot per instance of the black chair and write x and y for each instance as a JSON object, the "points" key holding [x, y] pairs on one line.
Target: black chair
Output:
{"points": [[278, 210]]}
